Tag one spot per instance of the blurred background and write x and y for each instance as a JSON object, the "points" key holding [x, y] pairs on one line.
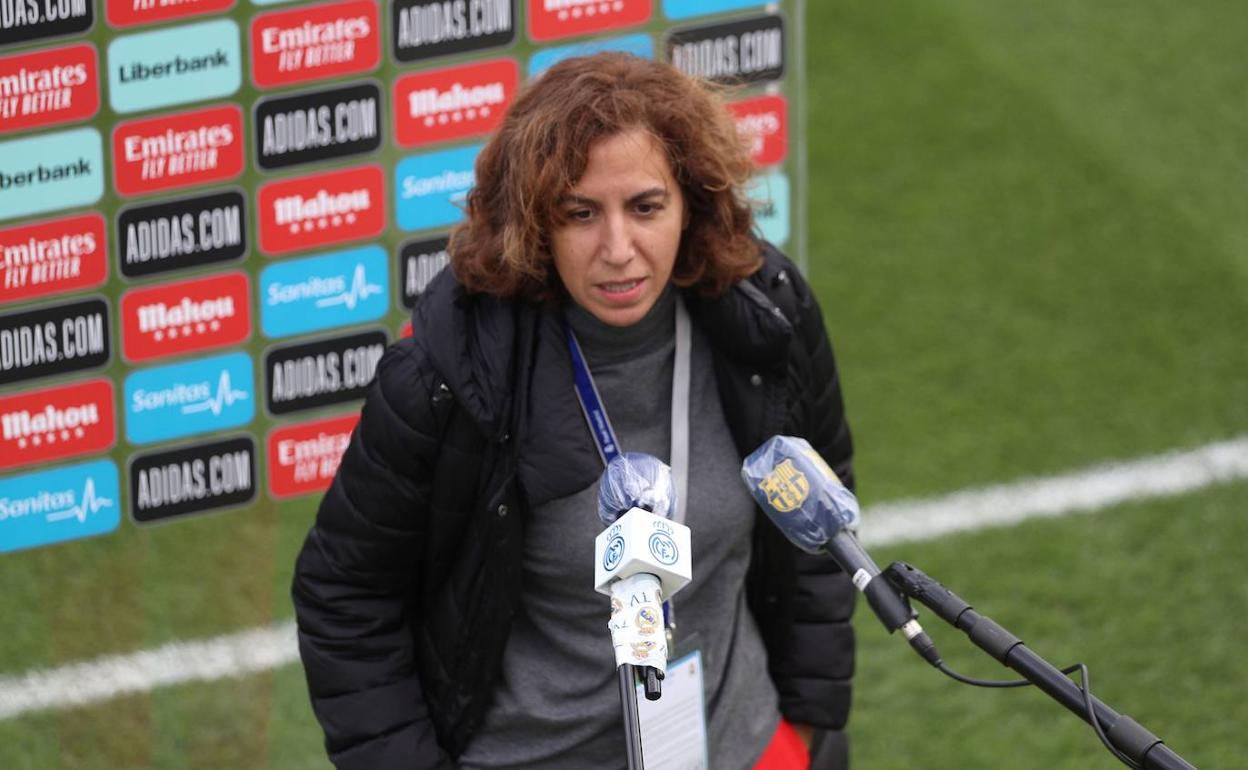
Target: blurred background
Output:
{"points": [[1028, 229]]}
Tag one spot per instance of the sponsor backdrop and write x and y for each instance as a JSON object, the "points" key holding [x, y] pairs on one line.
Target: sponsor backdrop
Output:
{"points": [[216, 214]]}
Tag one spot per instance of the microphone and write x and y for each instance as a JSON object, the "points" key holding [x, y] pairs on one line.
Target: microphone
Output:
{"points": [[641, 558], [807, 501]]}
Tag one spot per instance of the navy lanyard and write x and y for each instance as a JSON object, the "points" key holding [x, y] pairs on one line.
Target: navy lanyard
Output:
{"points": [[604, 435]]}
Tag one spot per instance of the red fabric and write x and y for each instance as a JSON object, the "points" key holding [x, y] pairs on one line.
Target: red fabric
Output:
{"points": [[785, 752]]}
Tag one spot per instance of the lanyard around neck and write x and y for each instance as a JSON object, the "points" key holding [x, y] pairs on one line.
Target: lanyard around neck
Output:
{"points": [[600, 424]]}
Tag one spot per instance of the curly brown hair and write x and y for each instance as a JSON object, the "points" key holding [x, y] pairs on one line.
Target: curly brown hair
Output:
{"points": [[541, 149]]}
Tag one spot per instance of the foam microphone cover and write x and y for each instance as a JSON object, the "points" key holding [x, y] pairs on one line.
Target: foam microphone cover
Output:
{"points": [[635, 480], [799, 492]]}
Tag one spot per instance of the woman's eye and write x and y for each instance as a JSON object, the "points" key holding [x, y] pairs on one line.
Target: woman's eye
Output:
{"points": [[648, 208], [580, 215]]}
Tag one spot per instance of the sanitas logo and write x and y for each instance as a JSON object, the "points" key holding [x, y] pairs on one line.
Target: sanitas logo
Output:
{"points": [[324, 292], [59, 505], [317, 42], [322, 209], [188, 398], [56, 422], [52, 257], [327, 292]]}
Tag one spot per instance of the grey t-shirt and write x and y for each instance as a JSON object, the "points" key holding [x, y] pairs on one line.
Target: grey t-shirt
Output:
{"points": [[557, 705]]}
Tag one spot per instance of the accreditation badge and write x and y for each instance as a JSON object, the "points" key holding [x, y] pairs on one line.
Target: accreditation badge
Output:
{"points": [[673, 728]]}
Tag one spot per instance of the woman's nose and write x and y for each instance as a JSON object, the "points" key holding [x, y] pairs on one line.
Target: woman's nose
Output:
{"points": [[618, 246]]}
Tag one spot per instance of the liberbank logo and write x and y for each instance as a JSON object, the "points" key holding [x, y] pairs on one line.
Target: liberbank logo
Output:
{"points": [[431, 190], [127, 13], [320, 41], [52, 257], [555, 19], [24, 20], [46, 88], [321, 209], [454, 103], [49, 172], [193, 63], [324, 292], [186, 399], [54, 506]]}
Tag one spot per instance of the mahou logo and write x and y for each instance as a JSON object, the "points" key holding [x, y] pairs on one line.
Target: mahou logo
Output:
{"points": [[186, 316], [554, 19], [52, 257], [763, 123], [48, 88], [56, 423], [304, 458], [453, 103], [127, 13], [174, 151], [321, 41], [322, 209]]}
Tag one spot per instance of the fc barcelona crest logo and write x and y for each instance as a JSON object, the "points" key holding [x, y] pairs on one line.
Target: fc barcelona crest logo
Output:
{"points": [[786, 487]]}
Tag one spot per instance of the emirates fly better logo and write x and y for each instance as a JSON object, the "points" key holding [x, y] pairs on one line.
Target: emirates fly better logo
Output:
{"points": [[321, 41], [454, 103], [172, 151], [47, 88], [52, 257]]}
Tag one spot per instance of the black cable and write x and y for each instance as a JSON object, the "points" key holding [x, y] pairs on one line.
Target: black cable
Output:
{"points": [[1085, 687]]}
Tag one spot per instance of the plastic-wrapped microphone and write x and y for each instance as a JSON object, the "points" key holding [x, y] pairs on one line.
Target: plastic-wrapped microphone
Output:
{"points": [[817, 513], [642, 559], [635, 480]]}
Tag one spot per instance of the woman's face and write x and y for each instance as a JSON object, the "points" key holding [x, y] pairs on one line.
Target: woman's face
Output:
{"points": [[622, 224]]}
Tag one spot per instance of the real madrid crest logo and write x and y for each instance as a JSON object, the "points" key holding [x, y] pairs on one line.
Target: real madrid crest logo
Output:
{"points": [[641, 650], [647, 620], [786, 487]]}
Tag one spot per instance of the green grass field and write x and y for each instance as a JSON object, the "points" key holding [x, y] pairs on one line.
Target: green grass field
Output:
{"points": [[1029, 231]]}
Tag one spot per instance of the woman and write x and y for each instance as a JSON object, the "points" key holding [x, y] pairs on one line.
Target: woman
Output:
{"points": [[445, 604]]}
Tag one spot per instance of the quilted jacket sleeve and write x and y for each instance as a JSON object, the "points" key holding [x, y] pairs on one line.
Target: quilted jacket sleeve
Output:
{"points": [[356, 575], [814, 673]]}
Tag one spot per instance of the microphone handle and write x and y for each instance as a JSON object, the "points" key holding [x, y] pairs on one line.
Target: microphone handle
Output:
{"points": [[893, 610]]}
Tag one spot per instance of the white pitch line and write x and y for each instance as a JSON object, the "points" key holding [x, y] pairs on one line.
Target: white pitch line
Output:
{"points": [[262, 649], [1092, 489], [92, 681]]}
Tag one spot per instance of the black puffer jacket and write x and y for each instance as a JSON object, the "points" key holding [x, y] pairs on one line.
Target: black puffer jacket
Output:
{"points": [[406, 586]]}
